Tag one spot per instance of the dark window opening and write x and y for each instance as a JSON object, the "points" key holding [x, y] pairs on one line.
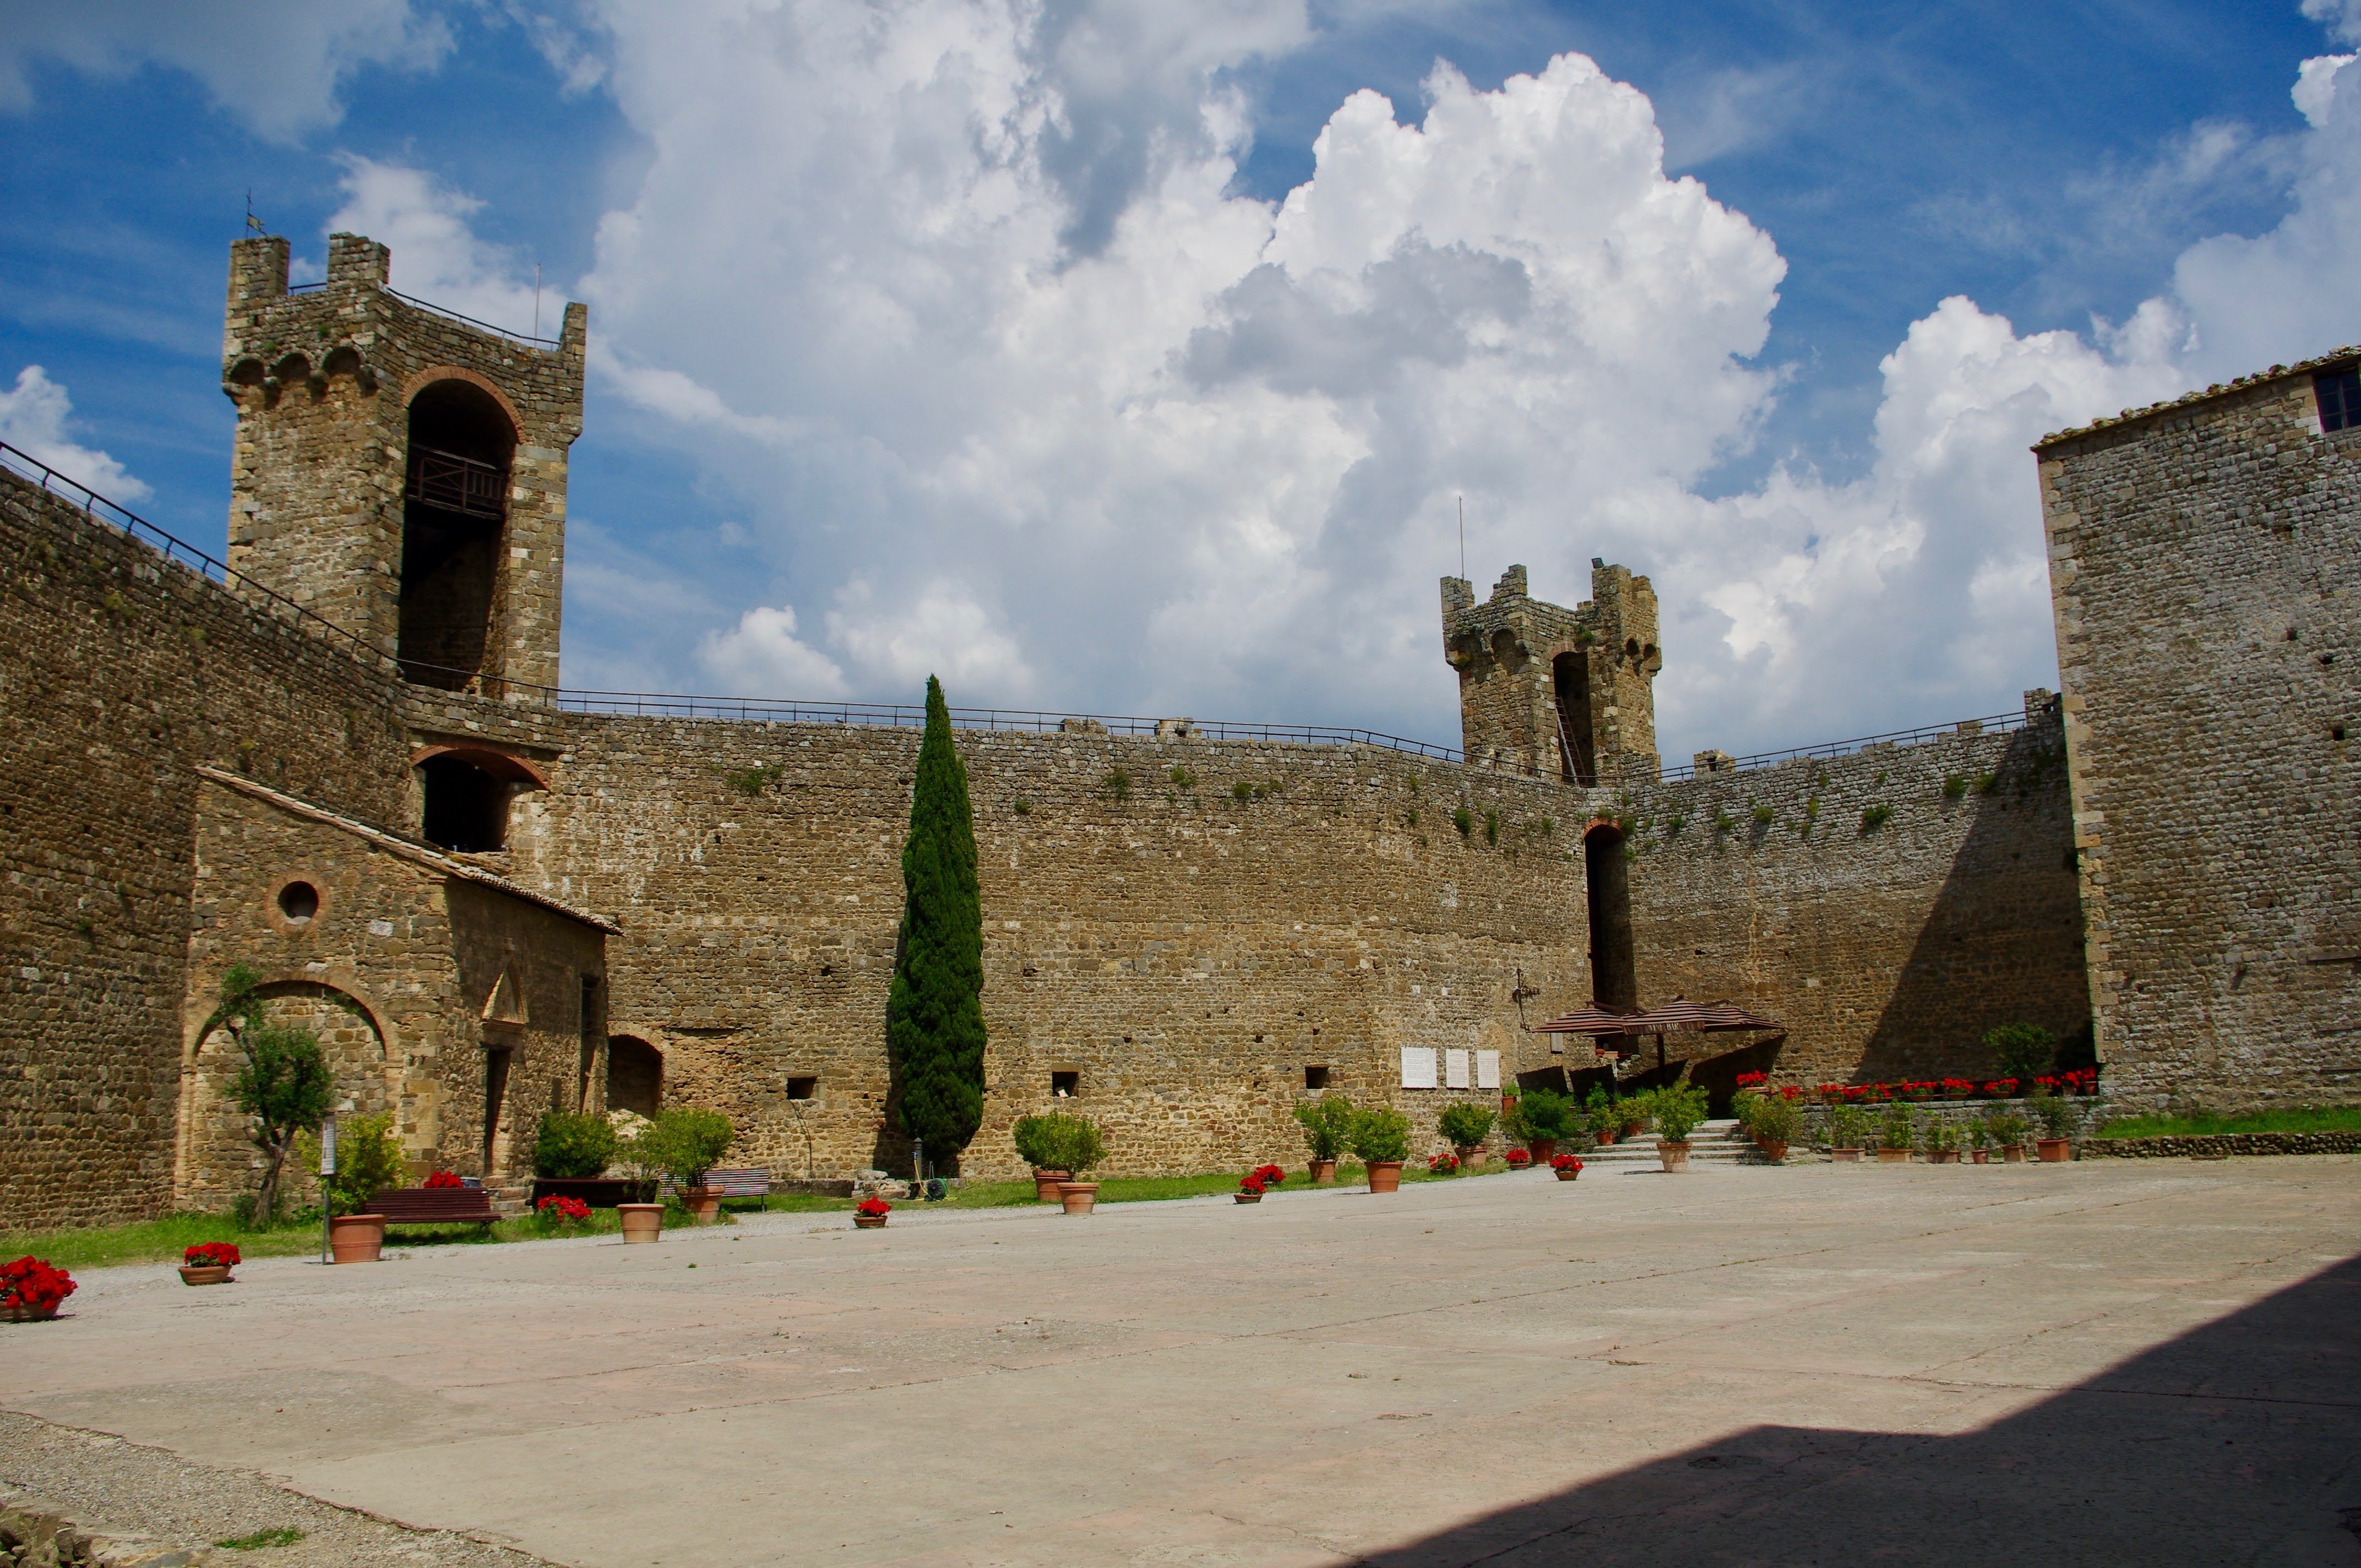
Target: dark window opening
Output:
{"points": [[2339, 393], [802, 1088], [634, 1076], [1614, 978], [467, 807], [455, 505], [299, 901], [1064, 1085], [496, 1095], [1570, 674], [1315, 1078]]}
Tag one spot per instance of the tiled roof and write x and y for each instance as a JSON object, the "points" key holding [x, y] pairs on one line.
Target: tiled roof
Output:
{"points": [[2276, 373], [409, 849]]}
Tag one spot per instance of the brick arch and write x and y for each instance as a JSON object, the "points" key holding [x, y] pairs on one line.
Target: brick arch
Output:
{"points": [[501, 764], [422, 380]]}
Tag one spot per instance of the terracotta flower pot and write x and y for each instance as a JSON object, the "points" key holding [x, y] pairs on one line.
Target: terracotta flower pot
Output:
{"points": [[1983, 1157], [1633, 1129], [1771, 1151], [1845, 1156], [1675, 1154], [2055, 1151], [1893, 1156], [1470, 1161], [641, 1221], [1543, 1149], [356, 1238], [870, 1222], [204, 1274], [1567, 1175], [703, 1203], [1045, 1183], [27, 1314], [1247, 1197], [1606, 1137], [1385, 1175], [1323, 1172], [1943, 1156], [1078, 1196], [2012, 1154]]}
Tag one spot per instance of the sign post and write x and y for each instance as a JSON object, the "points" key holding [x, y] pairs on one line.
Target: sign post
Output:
{"points": [[327, 1170]]}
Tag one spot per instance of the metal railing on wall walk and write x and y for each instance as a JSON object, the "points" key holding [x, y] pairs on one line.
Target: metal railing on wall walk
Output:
{"points": [[433, 309], [758, 710]]}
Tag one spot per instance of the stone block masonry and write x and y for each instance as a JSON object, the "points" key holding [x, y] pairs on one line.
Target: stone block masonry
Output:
{"points": [[2203, 557], [120, 671]]}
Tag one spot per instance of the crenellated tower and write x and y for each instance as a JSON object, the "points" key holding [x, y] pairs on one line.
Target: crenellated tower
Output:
{"points": [[1546, 690], [398, 470]]}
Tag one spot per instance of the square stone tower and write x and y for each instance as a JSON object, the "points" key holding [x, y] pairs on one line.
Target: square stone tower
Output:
{"points": [[1548, 691], [400, 470]]}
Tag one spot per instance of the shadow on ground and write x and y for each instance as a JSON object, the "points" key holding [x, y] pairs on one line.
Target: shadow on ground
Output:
{"points": [[2239, 1442]]}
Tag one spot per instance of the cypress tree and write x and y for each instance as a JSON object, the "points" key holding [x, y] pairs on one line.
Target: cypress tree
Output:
{"points": [[934, 1011]]}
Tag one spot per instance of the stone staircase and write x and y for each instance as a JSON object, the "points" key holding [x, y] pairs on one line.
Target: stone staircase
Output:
{"points": [[1717, 1143]]}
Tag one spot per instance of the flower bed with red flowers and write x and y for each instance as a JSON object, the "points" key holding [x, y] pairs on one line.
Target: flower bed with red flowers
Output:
{"points": [[1270, 1175], [211, 1255], [2082, 1081], [1566, 1162], [31, 1286], [1444, 1164], [1519, 1158], [1753, 1079], [443, 1179], [554, 1211], [873, 1209]]}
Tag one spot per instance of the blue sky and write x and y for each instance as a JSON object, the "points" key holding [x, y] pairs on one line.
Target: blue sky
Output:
{"points": [[989, 338]]}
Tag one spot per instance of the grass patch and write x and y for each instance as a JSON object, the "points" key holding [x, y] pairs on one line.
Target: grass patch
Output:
{"points": [[160, 1241], [282, 1535], [2299, 1119]]}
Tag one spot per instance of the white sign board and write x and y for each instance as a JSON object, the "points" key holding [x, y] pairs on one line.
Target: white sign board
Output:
{"points": [[1487, 1070], [1455, 1069], [1418, 1066]]}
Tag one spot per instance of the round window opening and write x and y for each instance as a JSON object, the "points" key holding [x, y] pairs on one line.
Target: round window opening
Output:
{"points": [[299, 901]]}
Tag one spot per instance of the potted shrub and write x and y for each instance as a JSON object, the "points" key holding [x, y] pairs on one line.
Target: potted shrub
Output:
{"points": [[1545, 1116], [1032, 1135], [1567, 1165], [1897, 1132], [2007, 1130], [1381, 1138], [1637, 1110], [368, 1161], [1942, 1142], [2056, 1118], [869, 1215], [684, 1143], [1975, 1135], [1249, 1189], [1679, 1109], [1777, 1122], [1465, 1126], [1600, 1116], [1848, 1126], [2024, 1051], [1075, 1145], [1327, 1124], [570, 1155], [32, 1290], [642, 1219], [209, 1262]]}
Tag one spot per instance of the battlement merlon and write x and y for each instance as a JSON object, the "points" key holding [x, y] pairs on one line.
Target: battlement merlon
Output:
{"points": [[1546, 690]]}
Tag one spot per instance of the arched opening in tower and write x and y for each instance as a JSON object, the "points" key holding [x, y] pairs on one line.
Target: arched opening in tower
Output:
{"points": [[1607, 877], [454, 509], [634, 1076], [1570, 675], [466, 806]]}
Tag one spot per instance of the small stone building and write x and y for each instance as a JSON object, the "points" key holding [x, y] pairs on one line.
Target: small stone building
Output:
{"points": [[462, 1003]]}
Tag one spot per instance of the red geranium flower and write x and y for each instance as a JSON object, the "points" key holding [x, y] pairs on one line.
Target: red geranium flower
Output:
{"points": [[29, 1282], [1520, 1156], [444, 1179], [874, 1208], [1270, 1175], [571, 1210], [1442, 1162], [1566, 1162], [211, 1255], [1250, 1185]]}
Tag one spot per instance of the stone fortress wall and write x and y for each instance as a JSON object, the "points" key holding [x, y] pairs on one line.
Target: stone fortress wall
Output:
{"points": [[2203, 560]]}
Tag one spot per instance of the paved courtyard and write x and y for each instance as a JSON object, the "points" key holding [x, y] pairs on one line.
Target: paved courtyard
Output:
{"points": [[2107, 1362]]}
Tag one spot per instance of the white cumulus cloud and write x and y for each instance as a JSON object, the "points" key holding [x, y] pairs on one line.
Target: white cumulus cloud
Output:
{"points": [[34, 417]]}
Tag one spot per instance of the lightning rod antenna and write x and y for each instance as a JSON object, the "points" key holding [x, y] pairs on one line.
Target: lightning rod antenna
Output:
{"points": [[1463, 536]]}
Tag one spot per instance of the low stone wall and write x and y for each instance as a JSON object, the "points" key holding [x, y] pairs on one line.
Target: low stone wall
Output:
{"points": [[2220, 1145], [2090, 1111]]}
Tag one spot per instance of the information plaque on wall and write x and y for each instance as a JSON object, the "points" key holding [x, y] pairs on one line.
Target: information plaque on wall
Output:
{"points": [[1487, 1070], [1455, 1069], [1418, 1066]]}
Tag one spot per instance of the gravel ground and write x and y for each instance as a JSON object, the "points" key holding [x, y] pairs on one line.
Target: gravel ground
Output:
{"points": [[104, 1481]]}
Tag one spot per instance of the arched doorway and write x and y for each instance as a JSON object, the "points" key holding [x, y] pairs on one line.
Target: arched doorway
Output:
{"points": [[634, 1075], [1570, 683], [1607, 879], [454, 506], [217, 1162], [465, 793]]}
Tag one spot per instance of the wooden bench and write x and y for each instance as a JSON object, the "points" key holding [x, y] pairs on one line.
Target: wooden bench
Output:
{"points": [[755, 1182], [435, 1206]]}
